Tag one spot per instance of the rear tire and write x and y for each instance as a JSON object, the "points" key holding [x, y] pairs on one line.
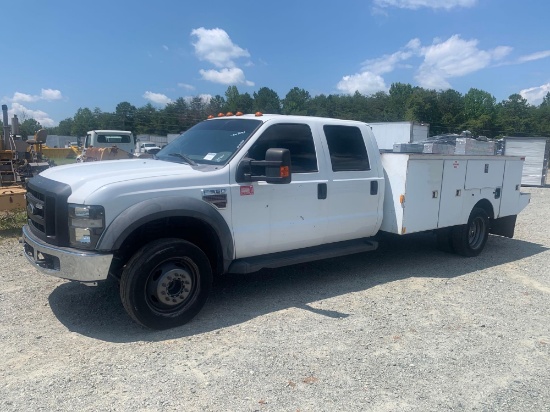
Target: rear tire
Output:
{"points": [[469, 239], [166, 283]]}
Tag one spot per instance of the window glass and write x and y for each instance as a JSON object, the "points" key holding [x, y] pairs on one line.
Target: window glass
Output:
{"points": [[297, 138], [347, 148], [105, 138], [210, 142]]}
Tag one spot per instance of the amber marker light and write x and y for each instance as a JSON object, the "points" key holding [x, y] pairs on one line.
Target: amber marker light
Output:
{"points": [[239, 114], [229, 114], [221, 115], [258, 114], [211, 117], [284, 172]]}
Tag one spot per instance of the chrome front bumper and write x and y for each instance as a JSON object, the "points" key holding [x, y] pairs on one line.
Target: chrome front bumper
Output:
{"points": [[64, 262]]}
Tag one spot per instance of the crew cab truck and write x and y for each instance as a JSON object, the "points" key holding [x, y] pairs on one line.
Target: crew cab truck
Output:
{"points": [[235, 194]]}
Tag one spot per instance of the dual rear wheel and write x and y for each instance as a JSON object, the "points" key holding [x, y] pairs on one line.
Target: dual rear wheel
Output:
{"points": [[469, 239]]}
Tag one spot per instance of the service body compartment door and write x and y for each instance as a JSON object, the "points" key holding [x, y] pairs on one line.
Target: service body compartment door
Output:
{"points": [[509, 204], [422, 195], [483, 174], [452, 192]]}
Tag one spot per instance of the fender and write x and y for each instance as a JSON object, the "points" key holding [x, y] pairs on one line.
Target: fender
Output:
{"points": [[152, 209]]}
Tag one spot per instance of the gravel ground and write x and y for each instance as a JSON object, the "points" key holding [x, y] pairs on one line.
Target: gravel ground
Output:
{"points": [[405, 328]]}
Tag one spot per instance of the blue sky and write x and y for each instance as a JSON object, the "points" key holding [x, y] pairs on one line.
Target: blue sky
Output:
{"points": [[58, 56]]}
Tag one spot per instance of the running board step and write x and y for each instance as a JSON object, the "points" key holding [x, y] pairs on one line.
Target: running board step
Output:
{"points": [[293, 257]]}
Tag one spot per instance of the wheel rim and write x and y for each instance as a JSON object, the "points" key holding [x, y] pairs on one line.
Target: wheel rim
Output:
{"points": [[171, 285], [476, 232]]}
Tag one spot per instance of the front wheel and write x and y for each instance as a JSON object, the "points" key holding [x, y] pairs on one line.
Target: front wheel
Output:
{"points": [[469, 239], [166, 283]]}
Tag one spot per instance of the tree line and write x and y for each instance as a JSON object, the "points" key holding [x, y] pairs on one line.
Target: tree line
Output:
{"points": [[447, 111]]}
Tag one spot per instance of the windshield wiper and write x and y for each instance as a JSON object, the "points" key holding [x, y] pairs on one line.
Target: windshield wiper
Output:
{"points": [[184, 157]]}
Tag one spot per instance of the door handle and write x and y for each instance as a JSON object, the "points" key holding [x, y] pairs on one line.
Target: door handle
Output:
{"points": [[374, 187], [322, 191]]}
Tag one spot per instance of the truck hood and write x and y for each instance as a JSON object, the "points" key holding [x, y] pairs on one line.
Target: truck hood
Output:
{"points": [[95, 175]]}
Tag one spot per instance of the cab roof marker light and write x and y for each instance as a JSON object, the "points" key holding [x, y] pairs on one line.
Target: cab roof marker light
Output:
{"points": [[258, 114], [239, 114], [229, 114], [210, 117], [221, 114]]}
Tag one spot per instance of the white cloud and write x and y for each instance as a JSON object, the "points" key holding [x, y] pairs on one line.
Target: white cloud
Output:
{"points": [[364, 83], [45, 94], [388, 62], [534, 95], [215, 46], [229, 76], [443, 60], [24, 113], [186, 86], [157, 98], [22, 97], [454, 57], [431, 4], [534, 56], [165, 47]]}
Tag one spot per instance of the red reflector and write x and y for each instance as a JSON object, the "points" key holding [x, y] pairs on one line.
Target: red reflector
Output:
{"points": [[284, 172]]}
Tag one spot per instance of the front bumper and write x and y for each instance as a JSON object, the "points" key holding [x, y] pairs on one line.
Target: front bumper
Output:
{"points": [[64, 262]]}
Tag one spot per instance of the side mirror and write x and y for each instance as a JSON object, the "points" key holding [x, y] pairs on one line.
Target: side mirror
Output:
{"points": [[276, 165], [278, 169]]}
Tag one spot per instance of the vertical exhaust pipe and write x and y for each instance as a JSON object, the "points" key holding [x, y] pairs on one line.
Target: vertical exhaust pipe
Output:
{"points": [[6, 139]]}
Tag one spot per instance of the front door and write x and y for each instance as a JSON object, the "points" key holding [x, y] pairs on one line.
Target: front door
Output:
{"points": [[270, 218]]}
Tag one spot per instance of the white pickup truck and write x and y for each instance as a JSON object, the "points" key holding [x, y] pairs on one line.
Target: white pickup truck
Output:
{"points": [[235, 194]]}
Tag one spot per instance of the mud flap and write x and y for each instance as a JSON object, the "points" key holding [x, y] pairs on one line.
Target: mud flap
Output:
{"points": [[504, 226]]}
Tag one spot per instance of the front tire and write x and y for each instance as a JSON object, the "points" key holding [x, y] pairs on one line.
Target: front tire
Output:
{"points": [[166, 283], [469, 239]]}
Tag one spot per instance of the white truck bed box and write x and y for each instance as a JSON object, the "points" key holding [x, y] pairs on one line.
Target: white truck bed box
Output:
{"points": [[426, 191]]}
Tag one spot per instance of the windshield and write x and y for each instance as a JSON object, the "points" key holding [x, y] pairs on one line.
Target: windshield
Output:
{"points": [[210, 142]]}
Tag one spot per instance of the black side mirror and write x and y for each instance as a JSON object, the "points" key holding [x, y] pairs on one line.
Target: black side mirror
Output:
{"points": [[277, 168]]}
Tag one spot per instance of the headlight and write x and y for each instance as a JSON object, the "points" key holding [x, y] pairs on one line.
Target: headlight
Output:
{"points": [[86, 224]]}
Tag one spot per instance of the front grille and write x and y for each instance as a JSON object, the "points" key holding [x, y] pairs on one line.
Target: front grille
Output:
{"points": [[47, 210]]}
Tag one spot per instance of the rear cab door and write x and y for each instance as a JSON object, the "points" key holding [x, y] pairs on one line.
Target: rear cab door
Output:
{"points": [[355, 186]]}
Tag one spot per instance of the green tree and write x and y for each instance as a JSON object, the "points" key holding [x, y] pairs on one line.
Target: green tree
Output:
{"points": [[232, 99], [451, 108], [296, 102], [267, 101], [64, 127], [479, 112], [514, 116], [422, 106], [216, 105], [83, 121], [125, 116], [400, 94], [29, 127]]}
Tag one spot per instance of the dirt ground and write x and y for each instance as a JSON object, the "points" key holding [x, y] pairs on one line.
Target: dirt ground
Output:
{"points": [[404, 328]]}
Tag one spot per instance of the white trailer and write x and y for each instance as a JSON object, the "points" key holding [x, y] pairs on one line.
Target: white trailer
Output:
{"points": [[536, 151], [387, 134]]}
